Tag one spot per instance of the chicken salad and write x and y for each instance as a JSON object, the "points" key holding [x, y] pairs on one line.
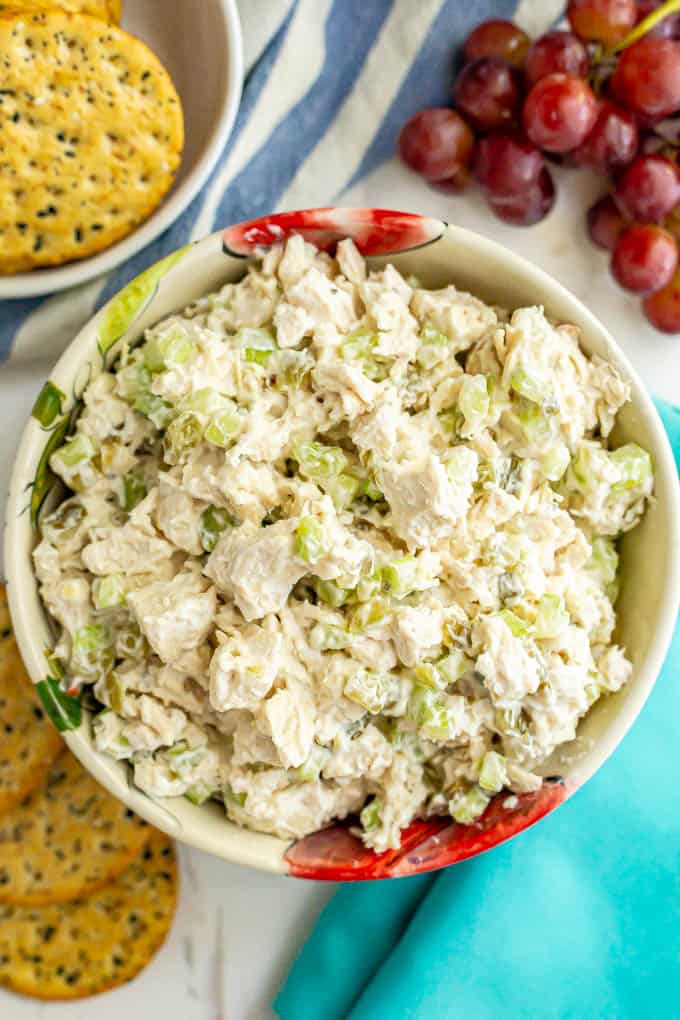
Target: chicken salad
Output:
{"points": [[339, 545]]}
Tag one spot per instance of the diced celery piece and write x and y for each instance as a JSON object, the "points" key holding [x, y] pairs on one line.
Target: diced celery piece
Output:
{"points": [[224, 428], [115, 692], [453, 666], [474, 403], [369, 586], [635, 465], [329, 637], [168, 349], [435, 717], [532, 388], [214, 520], [439, 723], [461, 465], [433, 347], [400, 577], [369, 490], [494, 472], [76, 451], [132, 380], [108, 592], [493, 775], [182, 435], [293, 367], [199, 793], [431, 335], [320, 462], [358, 346], [134, 490], [231, 796], [343, 490], [369, 613], [207, 401], [91, 653], [311, 540], [590, 467], [466, 808], [153, 407], [555, 462], [518, 626], [536, 426], [451, 421], [257, 356], [428, 675], [551, 618], [254, 338], [310, 770], [370, 815], [183, 759], [604, 559], [373, 691], [330, 593]]}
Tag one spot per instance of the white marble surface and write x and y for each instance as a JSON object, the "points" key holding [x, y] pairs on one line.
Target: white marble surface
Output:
{"points": [[236, 930]]}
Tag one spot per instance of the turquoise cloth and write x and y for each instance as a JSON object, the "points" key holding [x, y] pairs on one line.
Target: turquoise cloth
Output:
{"points": [[576, 919]]}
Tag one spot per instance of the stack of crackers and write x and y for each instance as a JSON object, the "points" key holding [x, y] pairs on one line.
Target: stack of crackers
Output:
{"points": [[91, 131], [87, 889]]}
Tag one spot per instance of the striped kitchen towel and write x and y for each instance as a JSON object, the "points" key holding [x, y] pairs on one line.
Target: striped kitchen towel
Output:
{"points": [[328, 85]]}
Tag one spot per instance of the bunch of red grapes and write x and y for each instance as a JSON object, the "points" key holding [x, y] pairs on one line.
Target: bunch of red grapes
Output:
{"points": [[603, 96]]}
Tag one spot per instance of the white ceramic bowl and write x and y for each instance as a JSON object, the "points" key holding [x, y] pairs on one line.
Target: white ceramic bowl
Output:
{"points": [[438, 254], [199, 41]]}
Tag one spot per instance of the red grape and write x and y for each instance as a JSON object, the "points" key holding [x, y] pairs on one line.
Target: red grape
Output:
{"points": [[612, 142], [455, 184], [527, 207], [605, 21], [645, 258], [488, 92], [663, 308], [668, 27], [506, 164], [497, 38], [647, 77], [606, 223], [436, 143], [649, 188], [559, 112], [555, 52]]}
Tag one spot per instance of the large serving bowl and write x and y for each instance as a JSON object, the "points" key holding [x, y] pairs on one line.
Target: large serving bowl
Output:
{"points": [[439, 254]]}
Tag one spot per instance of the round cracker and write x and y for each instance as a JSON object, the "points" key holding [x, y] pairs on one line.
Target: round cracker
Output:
{"points": [[72, 950], [67, 839], [91, 134], [29, 742], [5, 618], [106, 10]]}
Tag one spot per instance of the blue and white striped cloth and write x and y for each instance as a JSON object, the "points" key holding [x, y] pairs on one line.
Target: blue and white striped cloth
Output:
{"points": [[329, 83]]}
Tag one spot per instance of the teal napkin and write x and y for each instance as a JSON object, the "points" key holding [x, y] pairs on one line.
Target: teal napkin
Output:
{"points": [[577, 919]]}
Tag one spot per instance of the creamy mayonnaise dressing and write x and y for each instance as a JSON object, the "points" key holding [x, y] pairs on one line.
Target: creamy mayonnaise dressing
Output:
{"points": [[340, 544]]}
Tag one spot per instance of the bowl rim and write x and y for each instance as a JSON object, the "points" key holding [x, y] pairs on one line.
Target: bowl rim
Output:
{"points": [[21, 580], [52, 279]]}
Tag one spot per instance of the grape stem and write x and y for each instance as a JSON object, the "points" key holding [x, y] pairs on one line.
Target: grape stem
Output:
{"points": [[645, 26]]}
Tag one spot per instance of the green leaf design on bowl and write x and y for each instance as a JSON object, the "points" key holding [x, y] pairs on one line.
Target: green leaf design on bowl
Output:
{"points": [[49, 404], [123, 309], [44, 478], [63, 710]]}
